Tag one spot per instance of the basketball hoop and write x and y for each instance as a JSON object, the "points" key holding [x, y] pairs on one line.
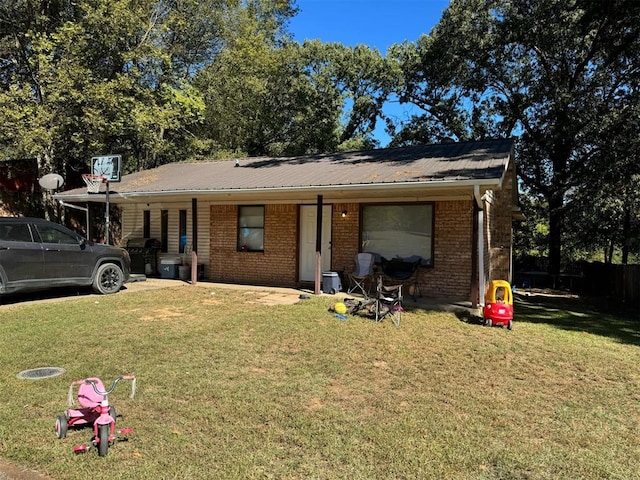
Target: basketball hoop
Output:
{"points": [[93, 182]]}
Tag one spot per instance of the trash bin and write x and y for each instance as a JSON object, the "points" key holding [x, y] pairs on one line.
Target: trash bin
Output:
{"points": [[169, 267], [331, 282]]}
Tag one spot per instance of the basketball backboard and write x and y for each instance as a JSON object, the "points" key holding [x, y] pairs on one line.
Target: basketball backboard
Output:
{"points": [[107, 166]]}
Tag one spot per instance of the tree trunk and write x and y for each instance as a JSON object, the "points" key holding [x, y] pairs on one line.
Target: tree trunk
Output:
{"points": [[626, 235], [608, 254], [555, 232], [560, 155]]}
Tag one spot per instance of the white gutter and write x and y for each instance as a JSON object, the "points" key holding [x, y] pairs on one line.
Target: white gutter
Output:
{"points": [[262, 190]]}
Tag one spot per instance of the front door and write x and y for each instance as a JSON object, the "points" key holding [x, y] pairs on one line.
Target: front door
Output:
{"points": [[308, 221]]}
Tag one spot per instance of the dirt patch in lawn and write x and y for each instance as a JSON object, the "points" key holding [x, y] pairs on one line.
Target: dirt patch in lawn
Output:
{"points": [[272, 298]]}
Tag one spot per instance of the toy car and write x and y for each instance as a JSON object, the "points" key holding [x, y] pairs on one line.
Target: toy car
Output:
{"points": [[498, 304]]}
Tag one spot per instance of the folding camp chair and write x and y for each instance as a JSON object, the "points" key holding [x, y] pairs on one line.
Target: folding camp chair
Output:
{"points": [[388, 302], [362, 277], [404, 271]]}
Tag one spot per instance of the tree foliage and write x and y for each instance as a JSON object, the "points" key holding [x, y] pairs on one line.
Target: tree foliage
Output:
{"points": [[546, 71], [90, 77], [160, 81], [291, 99], [166, 80]]}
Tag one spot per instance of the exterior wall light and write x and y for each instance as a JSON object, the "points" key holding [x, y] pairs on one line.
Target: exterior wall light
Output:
{"points": [[344, 213]]}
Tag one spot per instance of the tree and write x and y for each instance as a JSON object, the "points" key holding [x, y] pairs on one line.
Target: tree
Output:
{"points": [[260, 101], [282, 98], [87, 77], [606, 208], [546, 71]]}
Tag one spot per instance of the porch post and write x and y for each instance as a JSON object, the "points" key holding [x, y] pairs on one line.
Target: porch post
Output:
{"points": [[318, 275], [194, 241], [106, 214]]}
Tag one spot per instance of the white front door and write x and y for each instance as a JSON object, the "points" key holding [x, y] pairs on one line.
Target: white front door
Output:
{"points": [[308, 241]]}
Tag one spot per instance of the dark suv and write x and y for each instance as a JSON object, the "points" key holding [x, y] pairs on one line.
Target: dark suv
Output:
{"points": [[36, 254]]}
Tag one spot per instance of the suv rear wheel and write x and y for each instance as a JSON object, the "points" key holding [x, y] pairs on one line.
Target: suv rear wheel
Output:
{"points": [[109, 279]]}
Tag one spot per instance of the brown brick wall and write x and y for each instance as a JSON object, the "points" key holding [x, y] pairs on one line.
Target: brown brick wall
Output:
{"points": [[450, 275], [344, 236], [276, 266], [499, 228]]}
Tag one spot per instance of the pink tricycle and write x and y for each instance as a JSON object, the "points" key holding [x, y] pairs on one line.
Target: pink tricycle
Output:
{"points": [[94, 410]]}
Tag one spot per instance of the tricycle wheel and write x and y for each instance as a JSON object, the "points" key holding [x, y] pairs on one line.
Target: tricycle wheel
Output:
{"points": [[61, 426], [510, 325], [103, 439], [488, 322]]}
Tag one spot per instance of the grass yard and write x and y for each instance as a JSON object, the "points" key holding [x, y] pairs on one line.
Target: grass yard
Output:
{"points": [[232, 388]]}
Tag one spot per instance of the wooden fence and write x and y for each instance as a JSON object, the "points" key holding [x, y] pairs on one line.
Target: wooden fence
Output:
{"points": [[620, 282]]}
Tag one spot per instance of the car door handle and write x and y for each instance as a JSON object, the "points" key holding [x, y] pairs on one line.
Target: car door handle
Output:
{"points": [[52, 249], [5, 248]]}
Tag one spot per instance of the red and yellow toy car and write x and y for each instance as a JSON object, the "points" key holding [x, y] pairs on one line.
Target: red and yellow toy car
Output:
{"points": [[498, 304]]}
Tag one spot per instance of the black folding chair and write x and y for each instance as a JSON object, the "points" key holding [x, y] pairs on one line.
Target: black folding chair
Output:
{"points": [[388, 302], [398, 270]]}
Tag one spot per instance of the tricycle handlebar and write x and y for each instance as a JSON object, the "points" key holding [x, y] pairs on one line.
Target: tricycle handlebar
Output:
{"points": [[92, 382]]}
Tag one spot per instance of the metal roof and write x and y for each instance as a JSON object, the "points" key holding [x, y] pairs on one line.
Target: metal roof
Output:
{"points": [[424, 166]]}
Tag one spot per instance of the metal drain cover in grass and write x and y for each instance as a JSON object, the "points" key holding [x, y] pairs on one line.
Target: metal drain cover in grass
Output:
{"points": [[42, 372]]}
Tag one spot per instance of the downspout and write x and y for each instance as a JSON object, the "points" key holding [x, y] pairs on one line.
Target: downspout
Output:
{"points": [[475, 286], [480, 241]]}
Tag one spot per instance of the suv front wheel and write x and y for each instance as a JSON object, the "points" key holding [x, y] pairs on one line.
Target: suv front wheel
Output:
{"points": [[109, 279]]}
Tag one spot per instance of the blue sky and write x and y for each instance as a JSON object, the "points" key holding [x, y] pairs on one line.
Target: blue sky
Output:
{"points": [[376, 23]]}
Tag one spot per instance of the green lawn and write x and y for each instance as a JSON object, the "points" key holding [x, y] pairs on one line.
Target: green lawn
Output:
{"points": [[229, 387]]}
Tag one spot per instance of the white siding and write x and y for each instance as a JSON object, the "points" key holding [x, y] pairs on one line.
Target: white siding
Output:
{"points": [[133, 226]]}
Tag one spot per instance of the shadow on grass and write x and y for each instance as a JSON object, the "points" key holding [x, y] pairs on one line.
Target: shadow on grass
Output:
{"points": [[595, 316], [53, 293]]}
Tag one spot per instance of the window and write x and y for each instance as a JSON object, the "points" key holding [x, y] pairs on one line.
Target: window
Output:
{"points": [[183, 231], [15, 233], [49, 234], [398, 231], [251, 228], [146, 223], [164, 230]]}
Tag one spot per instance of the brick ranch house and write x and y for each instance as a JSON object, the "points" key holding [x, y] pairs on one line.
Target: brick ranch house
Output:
{"points": [[254, 220]]}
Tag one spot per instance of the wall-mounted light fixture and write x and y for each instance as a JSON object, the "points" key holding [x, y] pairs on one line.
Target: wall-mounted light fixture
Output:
{"points": [[344, 213]]}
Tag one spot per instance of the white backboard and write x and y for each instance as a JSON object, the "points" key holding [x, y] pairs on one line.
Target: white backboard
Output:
{"points": [[107, 166]]}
